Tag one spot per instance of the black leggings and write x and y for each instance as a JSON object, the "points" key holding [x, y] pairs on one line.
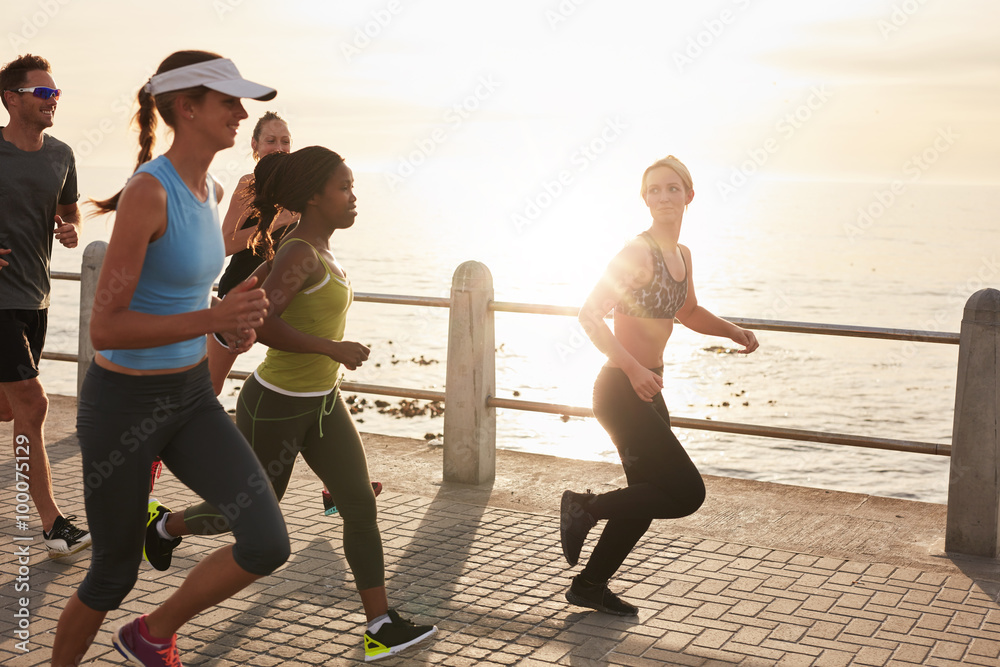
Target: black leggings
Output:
{"points": [[123, 422], [663, 483]]}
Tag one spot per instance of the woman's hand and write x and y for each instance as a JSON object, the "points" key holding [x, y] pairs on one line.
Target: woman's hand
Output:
{"points": [[237, 345], [241, 311], [348, 353], [745, 338], [646, 383]]}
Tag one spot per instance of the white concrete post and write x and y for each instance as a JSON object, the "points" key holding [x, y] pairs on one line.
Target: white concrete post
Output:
{"points": [[974, 484], [90, 271], [469, 426]]}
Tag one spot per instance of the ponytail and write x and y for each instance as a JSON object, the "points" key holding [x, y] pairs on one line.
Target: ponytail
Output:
{"points": [[145, 118], [288, 181], [145, 121], [263, 188]]}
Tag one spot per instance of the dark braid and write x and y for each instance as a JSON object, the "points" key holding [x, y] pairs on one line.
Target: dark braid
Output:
{"points": [[288, 181]]}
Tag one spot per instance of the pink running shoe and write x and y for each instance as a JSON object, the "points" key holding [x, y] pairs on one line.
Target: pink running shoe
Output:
{"points": [[140, 651]]}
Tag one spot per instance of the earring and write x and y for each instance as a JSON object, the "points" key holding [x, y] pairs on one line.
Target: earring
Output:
{"points": [[192, 116]]}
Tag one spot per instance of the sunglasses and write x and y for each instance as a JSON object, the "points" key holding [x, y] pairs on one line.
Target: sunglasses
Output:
{"points": [[39, 91]]}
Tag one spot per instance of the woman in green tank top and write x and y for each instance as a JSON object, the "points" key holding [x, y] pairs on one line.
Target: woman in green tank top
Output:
{"points": [[291, 403]]}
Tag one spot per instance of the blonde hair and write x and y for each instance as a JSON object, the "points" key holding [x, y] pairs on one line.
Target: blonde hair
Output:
{"points": [[672, 163]]}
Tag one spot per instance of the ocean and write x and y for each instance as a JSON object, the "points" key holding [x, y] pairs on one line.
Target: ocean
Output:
{"points": [[829, 252]]}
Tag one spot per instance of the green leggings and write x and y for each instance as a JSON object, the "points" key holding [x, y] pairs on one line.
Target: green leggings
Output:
{"points": [[279, 427]]}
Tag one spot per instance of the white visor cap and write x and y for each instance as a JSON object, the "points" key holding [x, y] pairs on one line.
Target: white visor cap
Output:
{"points": [[219, 74]]}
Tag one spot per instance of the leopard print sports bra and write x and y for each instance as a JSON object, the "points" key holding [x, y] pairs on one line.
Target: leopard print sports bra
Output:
{"points": [[662, 297]]}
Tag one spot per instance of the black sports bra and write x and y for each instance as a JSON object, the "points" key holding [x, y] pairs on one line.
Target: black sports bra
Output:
{"points": [[662, 297]]}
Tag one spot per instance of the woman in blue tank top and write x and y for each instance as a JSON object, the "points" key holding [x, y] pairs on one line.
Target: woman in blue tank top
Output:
{"points": [[647, 285], [148, 392]]}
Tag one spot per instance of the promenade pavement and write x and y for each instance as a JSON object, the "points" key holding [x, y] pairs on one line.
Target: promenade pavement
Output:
{"points": [[764, 574]]}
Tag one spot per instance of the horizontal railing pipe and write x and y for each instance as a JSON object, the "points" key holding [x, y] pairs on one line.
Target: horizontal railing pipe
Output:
{"points": [[764, 325], [847, 330], [744, 429]]}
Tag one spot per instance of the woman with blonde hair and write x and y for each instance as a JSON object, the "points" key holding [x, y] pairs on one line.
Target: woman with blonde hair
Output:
{"points": [[647, 285]]}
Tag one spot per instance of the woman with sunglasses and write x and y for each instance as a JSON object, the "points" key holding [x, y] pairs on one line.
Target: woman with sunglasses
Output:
{"points": [[148, 392], [292, 404]]}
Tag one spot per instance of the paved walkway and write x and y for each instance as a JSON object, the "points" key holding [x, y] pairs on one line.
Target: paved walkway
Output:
{"points": [[492, 577]]}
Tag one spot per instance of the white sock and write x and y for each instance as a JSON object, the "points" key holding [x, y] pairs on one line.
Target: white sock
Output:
{"points": [[376, 623], [161, 527]]}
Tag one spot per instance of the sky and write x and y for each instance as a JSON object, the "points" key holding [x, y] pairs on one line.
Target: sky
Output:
{"points": [[518, 92]]}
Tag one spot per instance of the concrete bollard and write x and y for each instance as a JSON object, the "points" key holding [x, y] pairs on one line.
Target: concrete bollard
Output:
{"points": [[469, 425], [90, 271], [974, 483]]}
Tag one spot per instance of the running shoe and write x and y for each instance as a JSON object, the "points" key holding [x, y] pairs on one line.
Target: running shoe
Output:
{"points": [[329, 508], [395, 635], [574, 523], [157, 550], [599, 597], [65, 539], [140, 651]]}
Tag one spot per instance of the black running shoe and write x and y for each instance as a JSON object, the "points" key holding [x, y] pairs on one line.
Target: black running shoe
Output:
{"points": [[155, 549], [599, 597], [574, 523], [65, 539], [394, 636]]}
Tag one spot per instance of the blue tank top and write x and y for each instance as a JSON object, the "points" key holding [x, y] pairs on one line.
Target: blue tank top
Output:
{"points": [[179, 269]]}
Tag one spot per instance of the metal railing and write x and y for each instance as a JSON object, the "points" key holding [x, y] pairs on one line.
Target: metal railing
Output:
{"points": [[805, 435]]}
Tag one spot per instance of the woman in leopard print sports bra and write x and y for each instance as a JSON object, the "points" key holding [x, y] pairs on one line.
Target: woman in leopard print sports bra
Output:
{"points": [[647, 285]]}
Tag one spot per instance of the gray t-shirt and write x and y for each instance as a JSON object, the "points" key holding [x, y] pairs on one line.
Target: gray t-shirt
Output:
{"points": [[32, 184]]}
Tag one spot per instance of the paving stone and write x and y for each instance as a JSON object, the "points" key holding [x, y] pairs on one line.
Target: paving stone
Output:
{"points": [[493, 580]]}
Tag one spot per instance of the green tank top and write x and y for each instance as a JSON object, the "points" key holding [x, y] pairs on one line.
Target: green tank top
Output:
{"points": [[320, 310]]}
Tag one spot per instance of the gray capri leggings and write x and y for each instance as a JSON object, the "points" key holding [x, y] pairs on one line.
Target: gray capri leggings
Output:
{"points": [[123, 422]]}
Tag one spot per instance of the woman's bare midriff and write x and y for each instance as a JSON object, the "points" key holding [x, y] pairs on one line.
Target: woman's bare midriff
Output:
{"points": [[103, 362], [644, 338]]}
